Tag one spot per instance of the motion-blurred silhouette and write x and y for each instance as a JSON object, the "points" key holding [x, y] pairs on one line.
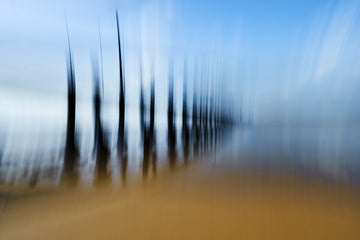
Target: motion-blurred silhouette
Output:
{"points": [[70, 173], [122, 142]]}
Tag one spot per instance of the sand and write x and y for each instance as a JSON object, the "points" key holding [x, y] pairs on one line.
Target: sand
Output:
{"points": [[190, 204]]}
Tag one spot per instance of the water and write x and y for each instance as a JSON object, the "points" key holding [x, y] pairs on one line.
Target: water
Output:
{"points": [[32, 153], [33, 145], [330, 152]]}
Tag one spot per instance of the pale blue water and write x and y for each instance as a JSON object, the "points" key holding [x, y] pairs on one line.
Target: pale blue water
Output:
{"points": [[35, 149]]}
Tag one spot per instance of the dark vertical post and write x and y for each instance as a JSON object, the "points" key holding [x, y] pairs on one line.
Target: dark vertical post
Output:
{"points": [[122, 146], [185, 126], [71, 151], [152, 128], [102, 152], [195, 120], [142, 106], [171, 123], [121, 130], [144, 131]]}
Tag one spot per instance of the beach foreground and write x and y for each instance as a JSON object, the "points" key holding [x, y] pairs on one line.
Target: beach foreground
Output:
{"points": [[191, 204]]}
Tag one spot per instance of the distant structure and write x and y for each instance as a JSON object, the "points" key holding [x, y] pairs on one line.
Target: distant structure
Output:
{"points": [[185, 125], [102, 153], [208, 118], [171, 134], [122, 145], [71, 150]]}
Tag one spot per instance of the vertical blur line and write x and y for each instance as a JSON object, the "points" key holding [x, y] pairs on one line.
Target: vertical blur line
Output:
{"points": [[149, 143], [102, 150], [201, 115], [171, 127], [121, 130], [101, 63], [71, 151], [2, 144], [194, 124], [152, 127], [143, 128], [206, 111], [121, 95], [185, 126], [142, 104]]}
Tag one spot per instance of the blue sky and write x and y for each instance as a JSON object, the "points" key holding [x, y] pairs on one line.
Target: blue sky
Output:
{"points": [[293, 61]]}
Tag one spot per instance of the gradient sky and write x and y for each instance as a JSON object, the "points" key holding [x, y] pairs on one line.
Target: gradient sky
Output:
{"points": [[286, 61]]}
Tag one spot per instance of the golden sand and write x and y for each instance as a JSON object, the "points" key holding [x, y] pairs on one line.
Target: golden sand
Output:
{"points": [[192, 204]]}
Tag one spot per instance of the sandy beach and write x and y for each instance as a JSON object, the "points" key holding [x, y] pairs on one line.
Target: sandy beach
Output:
{"points": [[190, 204]]}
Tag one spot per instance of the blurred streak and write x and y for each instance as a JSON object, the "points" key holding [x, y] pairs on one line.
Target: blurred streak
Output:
{"points": [[195, 123], [152, 133], [185, 124], [2, 142], [100, 147], [122, 144], [71, 150], [148, 134], [171, 134]]}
